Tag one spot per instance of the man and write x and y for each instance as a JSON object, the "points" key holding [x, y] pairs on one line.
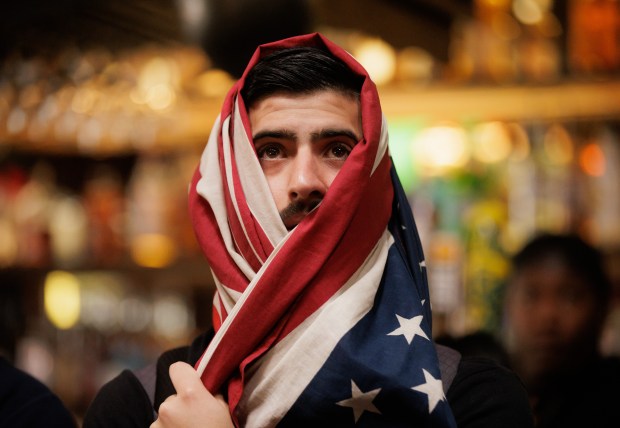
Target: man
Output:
{"points": [[557, 301], [322, 312], [26, 402]]}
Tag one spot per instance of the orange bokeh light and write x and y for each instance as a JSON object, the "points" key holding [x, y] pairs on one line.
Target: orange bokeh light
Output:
{"points": [[592, 160]]}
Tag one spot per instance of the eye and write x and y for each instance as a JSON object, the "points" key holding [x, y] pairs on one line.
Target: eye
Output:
{"points": [[571, 296], [339, 150], [269, 151]]}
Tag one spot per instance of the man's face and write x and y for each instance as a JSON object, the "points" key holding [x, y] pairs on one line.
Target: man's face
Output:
{"points": [[554, 319], [302, 141]]}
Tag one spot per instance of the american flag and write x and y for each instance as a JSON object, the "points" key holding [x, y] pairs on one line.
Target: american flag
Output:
{"points": [[330, 322]]}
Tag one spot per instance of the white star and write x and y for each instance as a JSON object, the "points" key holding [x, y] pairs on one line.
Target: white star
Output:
{"points": [[409, 327], [360, 401], [433, 388]]}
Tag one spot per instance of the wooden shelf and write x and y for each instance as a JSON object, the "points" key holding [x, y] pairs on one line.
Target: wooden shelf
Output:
{"points": [[188, 126], [563, 101]]}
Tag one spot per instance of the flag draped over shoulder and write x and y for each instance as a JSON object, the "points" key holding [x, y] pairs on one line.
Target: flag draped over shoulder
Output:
{"points": [[330, 322]]}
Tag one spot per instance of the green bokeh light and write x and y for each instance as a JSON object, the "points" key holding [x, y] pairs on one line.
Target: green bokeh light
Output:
{"points": [[402, 135]]}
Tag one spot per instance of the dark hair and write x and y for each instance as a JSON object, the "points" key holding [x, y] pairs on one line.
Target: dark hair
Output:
{"points": [[573, 253], [299, 70]]}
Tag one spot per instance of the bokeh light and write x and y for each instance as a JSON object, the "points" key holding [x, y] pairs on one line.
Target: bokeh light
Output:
{"points": [[153, 250], [441, 148], [592, 160], [62, 299], [490, 142], [378, 58]]}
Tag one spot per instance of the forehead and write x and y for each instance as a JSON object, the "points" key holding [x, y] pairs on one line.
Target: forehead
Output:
{"points": [[325, 108], [551, 277]]}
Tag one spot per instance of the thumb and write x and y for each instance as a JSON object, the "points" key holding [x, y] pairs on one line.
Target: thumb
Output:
{"points": [[186, 380]]}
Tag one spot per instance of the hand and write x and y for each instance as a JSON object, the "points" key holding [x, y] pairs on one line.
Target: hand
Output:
{"points": [[192, 405]]}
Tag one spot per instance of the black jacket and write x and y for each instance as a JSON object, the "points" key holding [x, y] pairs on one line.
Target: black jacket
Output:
{"points": [[587, 397], [26, 402], [483, 394]]}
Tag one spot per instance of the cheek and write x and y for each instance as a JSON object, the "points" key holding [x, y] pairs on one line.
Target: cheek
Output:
{"points": [[329, 176], [277, 186], [328, 170], [521, 319], [580, 322]]}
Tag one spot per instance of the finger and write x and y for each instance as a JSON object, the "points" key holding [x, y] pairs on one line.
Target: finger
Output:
{"points": [[185, 379], [167, 411], [221, 401]]}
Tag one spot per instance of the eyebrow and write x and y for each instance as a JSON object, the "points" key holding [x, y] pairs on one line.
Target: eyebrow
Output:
{"points": [[331, 133], [315, 136], [277, 133]]}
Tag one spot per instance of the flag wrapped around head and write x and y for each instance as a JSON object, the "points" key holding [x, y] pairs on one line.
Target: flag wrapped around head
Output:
{"points": [[291, 306]]}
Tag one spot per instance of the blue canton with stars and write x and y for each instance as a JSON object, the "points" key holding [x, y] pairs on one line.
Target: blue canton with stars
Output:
{"points": [[384, 372]]}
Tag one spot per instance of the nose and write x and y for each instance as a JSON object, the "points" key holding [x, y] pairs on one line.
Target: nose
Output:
{"points": [[547, 313], [307, 180]]}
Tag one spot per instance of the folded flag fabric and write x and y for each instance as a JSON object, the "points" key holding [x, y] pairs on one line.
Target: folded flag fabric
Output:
{"points": [[327, 323]]}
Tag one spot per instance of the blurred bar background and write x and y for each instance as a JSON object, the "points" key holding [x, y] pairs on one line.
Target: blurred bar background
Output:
{"points": [[504, 121]]}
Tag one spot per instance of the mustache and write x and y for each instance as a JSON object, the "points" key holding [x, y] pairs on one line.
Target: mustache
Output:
{"points": [[299, 206]]}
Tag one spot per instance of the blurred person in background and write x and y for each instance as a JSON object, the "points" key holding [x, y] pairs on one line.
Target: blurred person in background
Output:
{"points": [[556, 303], [24, 400], [322, 311]]}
